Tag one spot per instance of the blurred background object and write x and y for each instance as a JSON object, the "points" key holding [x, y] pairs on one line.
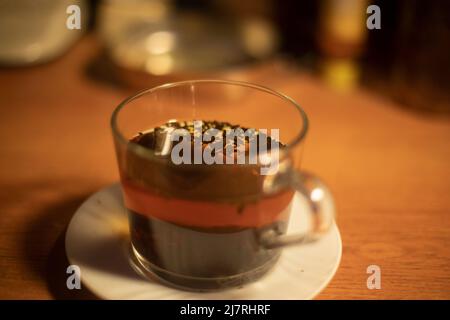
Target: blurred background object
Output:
{"points": [[409, 58], [148, 42], [35, 31], [341, 38], [178, 40]]}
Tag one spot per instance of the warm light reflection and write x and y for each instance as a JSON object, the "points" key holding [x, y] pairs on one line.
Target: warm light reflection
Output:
{"points": [[159, 65], [317, 194], [160, 42], [259, 38], [265, 159]]}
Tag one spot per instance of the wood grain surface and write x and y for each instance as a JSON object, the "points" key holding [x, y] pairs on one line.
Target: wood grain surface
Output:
{"points": [[388, 167]]}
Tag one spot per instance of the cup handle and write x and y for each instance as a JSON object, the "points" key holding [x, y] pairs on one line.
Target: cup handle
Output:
{"points": [[322, 212]]}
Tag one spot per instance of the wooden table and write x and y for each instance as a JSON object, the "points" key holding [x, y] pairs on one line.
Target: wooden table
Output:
{"points": [[389, 169]]}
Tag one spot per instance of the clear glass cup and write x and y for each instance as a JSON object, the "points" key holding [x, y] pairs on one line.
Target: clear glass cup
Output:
{"points": [[210, 227]]}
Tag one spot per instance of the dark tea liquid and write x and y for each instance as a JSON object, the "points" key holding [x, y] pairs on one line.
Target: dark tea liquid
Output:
{"points": [[199, 226]]}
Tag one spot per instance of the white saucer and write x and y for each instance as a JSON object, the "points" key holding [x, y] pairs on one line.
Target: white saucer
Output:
{"points": [[97, 242]]}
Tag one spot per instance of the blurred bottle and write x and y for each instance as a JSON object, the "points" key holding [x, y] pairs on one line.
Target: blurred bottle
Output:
{"points": [[35, 31], [341, 39], [408, 58], [421, 61]]}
